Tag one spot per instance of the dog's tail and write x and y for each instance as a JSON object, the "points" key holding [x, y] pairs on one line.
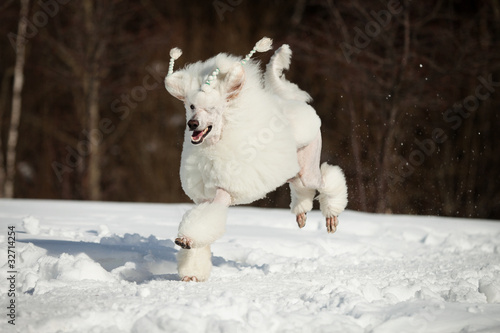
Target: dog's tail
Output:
{"points": [[333, 192], [275, 81]]}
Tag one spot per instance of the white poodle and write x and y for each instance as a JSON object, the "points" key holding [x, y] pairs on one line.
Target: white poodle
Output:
{"points": [[247, 134]]}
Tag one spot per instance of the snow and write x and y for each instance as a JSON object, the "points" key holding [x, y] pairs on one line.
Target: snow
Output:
{"points": [[111, 267]]}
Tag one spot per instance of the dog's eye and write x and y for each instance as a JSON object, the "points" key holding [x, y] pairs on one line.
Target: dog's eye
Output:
{"points": [[192, 107]]}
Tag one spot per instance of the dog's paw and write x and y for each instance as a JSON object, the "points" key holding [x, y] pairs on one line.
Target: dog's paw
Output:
{"points": [[331, 224], [190, 279], [184, 242], [301, 219]]}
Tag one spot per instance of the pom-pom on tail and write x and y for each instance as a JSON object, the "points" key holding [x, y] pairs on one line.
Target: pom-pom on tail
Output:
{"points": [[276, 81], [281, 59], [263, 45], [175, 53]]}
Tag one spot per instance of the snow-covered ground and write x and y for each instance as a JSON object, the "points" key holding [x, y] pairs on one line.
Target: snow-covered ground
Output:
{"points": [[111, 267]]}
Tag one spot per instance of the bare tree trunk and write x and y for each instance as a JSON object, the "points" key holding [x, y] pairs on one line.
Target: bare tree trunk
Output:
{"points": [[298, 11], [3, 99], [94, 169], [2, 168], [15, 116], [91, 85], [383, 206], [91, 47], [356, 151]]}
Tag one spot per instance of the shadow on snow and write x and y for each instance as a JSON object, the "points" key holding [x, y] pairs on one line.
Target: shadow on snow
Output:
{"points": [[132, 257]]}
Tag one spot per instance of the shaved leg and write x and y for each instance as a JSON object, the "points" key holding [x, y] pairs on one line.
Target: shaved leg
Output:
{"points": [[302, 200], [309, 159], [222, 197], [303, 186]]}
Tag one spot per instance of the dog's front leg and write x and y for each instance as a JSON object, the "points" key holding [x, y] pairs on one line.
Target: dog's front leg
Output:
{"points": [[199, 228], [205, 223], [194, 264]]}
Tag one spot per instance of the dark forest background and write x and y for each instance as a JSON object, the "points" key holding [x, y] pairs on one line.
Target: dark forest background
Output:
{"points": [[408, 93]]}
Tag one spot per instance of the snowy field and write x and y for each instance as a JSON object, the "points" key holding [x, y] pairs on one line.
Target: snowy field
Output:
{"points": [[111, 267]]}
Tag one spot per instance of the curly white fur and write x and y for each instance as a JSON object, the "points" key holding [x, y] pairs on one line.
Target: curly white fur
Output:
{"points": [[275, 80], [333, 193], [253, 155], [195, 263], [204, 224], [247, 134]]}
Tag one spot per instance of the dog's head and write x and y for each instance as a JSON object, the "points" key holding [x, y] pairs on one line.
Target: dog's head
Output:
{"points": [[208, 89], [205, 101]]}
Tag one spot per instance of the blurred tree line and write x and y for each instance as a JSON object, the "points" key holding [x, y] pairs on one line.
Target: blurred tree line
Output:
{"points": [[408, 93]]}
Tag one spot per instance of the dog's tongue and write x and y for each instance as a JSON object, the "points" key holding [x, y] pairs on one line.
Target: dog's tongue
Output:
{"points": [[197, 135]]}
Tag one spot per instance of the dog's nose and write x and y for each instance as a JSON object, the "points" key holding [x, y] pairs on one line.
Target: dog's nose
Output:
{"points": [[193, 124]]}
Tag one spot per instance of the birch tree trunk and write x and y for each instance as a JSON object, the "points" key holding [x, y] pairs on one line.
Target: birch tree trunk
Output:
{"points": [[15, 116]]}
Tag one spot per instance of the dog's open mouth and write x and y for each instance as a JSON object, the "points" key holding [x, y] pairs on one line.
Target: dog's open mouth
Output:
{"points": [[198, 136]]}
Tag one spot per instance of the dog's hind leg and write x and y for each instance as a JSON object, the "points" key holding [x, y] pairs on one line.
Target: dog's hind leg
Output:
{"points": [[309, 159], [302, 200], [328, 180], [333, 195], [303, 186]]}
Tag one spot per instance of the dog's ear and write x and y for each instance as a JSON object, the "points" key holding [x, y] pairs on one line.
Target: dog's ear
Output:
{"points": [[234, 81], [175, 85]]}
